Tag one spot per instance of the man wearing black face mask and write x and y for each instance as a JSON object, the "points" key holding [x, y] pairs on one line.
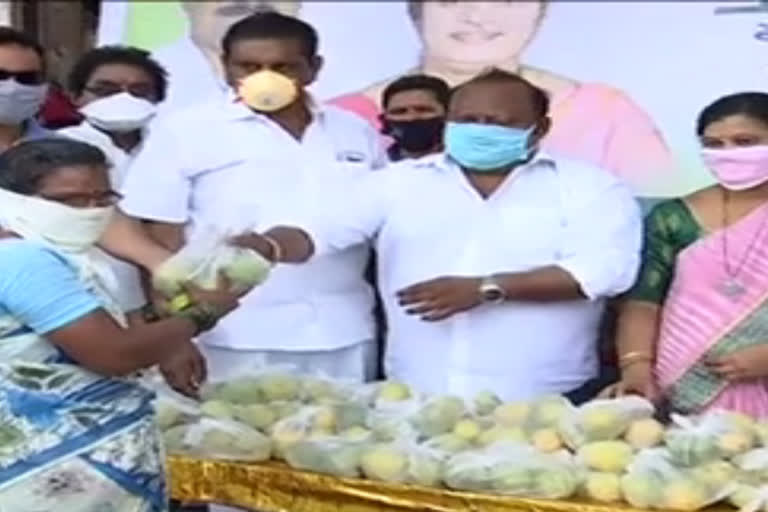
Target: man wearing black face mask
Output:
{"points": [[414, 115]]}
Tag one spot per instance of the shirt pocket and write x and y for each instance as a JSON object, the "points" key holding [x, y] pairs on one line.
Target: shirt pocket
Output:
{"points": [[353, 162]]}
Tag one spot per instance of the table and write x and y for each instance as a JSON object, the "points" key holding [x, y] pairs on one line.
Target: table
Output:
{"points": [[273, 486]]}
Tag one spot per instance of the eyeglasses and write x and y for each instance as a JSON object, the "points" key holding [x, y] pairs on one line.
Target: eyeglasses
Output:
{"points": [[104, 89], [109, 198], [23, 77]]}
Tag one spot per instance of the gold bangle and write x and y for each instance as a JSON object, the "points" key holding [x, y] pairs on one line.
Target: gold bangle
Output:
{"points": [[630, 358], [634, 355], [627, 364], [277, 249]]}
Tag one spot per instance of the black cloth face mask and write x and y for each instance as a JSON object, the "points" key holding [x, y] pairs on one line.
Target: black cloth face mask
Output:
{"points": [[416, 134]]}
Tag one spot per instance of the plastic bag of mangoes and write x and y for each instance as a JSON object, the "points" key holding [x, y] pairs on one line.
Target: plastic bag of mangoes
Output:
{"points": [[602, 420], [515, 470], [653, 480], [712, 436]]}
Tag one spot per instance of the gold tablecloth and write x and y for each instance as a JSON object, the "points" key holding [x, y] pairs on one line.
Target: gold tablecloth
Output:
{"points": [[273, 487]]}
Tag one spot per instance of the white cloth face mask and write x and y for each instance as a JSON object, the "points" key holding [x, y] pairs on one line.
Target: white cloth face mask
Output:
{"points": [[119, 113]]}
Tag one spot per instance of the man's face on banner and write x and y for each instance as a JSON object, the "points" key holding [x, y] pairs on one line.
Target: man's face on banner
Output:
{"points": [[209, 21]]}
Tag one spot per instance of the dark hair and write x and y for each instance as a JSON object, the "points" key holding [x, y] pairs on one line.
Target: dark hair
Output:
{"points": [[271, 25], [90, 61], [437, 86], [539, 97], [10, 36], [416, 11], [750, 104], [23, 166]]}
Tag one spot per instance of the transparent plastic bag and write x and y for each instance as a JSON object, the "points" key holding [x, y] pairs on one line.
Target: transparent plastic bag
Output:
{"points": [[696, 440], [345, 421], [602, 487], [207, 255], [319, 389], [218, 439], [602, 420], [256, 385], [515, 470], [749, 498], [753, 466], [439, 415], [654, 481], [761, 431], [485, 403], [403, 462], [543, 412], [606, 456], [393, 423], [172, 409], [390, 393], [331, 455]]}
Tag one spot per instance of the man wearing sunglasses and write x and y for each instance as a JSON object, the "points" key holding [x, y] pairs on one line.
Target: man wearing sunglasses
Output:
{"points": [[23, 88]]}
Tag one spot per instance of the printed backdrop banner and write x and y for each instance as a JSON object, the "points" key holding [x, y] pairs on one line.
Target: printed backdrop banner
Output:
{"points": [[626, 79]]}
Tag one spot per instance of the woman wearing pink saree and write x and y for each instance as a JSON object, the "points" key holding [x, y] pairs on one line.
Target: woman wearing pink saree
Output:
{"points": [[592, 121], [694, 330]]}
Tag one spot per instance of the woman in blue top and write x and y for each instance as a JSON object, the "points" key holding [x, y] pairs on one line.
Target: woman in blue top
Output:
{"points": [[77, 431]]}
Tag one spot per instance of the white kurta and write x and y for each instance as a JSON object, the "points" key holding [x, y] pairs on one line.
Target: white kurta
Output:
{"points": [[129, 294], [221, 164], [428, 221]]}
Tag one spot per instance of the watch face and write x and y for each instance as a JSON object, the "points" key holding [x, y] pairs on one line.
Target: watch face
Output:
{"points": [[492, 295]]}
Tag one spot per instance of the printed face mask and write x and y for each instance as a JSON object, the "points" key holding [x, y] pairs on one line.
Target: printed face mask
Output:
{"points": [[19, 102], [416, 134], [268, 91], [486, 147], [122, 112], [738, 168]]}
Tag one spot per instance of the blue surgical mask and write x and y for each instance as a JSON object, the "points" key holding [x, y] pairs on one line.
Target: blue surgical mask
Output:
{"points": [[486, 147]]}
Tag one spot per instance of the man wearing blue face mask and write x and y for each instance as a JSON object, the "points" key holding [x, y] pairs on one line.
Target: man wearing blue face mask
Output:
{"points": [[495, 258], [23, 88]]}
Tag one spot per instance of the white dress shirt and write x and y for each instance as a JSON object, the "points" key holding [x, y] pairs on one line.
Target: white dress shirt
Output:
{"points": [[221, 164], [428, 222], [130, 294]]}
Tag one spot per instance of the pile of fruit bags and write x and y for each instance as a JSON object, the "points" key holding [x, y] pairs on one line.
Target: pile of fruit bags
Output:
{"points": [[609, 451]]}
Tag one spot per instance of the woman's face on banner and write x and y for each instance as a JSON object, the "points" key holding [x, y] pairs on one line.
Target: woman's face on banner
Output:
{"points": [[486, 32], [210, 20]]}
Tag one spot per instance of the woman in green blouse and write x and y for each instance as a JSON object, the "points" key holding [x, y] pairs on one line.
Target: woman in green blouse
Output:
{"points": [[694, 329]]}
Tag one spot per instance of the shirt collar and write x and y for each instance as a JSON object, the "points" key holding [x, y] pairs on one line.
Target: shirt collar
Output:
{"points": [[236, 110], [443, 161], [33, 130]]}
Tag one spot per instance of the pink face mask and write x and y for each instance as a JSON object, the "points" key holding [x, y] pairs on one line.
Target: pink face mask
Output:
{"points": [[739, 168]]}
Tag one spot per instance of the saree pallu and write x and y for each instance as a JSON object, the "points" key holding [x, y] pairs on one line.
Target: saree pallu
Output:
{"points": [[710, 312], [72, 440]]}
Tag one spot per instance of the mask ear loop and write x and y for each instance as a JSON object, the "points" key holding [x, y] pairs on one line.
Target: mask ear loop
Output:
{"points": [[386, 129]]}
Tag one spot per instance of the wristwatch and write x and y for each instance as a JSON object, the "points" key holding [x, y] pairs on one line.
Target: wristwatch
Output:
{"points": [[491, 292]]}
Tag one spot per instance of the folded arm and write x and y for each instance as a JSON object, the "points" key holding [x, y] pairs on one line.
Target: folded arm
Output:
{"points": [[600, 259]]}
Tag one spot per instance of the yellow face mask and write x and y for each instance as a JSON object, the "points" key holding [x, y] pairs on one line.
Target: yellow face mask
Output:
{"points": [[267, 91]]}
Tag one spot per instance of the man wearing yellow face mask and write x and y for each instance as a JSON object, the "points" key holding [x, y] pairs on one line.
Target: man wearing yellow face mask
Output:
{"points": [[260, 155], [193, 61]]}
